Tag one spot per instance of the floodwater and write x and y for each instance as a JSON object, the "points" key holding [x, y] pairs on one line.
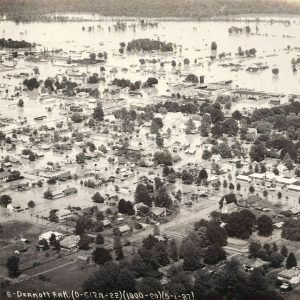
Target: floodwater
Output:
{"points": [[193, 40]]}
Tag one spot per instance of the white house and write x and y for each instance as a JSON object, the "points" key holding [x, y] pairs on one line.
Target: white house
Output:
{"points": [[291, 276], [215, 158], [229, 208], [47, 235], [243, 178], [124, 229], [70, 242], [282, 181]]}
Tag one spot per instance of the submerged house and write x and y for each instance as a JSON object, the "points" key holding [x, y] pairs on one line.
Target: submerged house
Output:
{"points": [[70, 191]]}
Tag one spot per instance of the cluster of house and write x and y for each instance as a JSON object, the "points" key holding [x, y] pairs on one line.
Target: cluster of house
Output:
{"points": [[288, 277], [291, 185]]}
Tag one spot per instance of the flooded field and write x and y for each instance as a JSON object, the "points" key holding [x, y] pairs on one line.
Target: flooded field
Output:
{"points": [[194, 42]]}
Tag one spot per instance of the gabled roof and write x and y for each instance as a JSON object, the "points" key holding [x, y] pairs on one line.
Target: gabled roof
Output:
{"points": [[124, 228], [158, 211], [289, 274], [255, 263]]}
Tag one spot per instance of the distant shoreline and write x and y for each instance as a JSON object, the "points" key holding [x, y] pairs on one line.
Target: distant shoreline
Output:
{"points": [[193, 10], [243, 18]]}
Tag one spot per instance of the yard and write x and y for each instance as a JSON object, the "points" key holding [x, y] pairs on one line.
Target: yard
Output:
{"points": [[15, 230], [71, 275]]}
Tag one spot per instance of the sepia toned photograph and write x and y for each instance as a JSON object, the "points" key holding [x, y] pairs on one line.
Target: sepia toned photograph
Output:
{"points": [[150, 149]]}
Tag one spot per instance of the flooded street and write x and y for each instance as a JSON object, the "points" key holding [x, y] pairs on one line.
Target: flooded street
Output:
{"points": [[193, 41]]}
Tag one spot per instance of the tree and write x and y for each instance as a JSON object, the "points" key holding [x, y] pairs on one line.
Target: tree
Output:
{"points": [[51, 180], [190, 251], [178, 195], [101, 255], [156, 230], [84, 242], [48, 194], [82, 223], [180, 282], [206, 155], [48, 84], [215, 234], [44, 243], [150, 241], [80, 158], [263, 168], [238, 187], [240, 224], [291, 229], [142, 195], [276, 171], [31, 84], [258, 152], [98, 113], [276, 259], [12, 265], [99, 227], [254, 247], [190, 126], [93, 79], [187, 177], [159, 141], [99, 239], [163, 158], [31, 204], [99, 216], [264, 225], [5, 200], [97, 198], [149, 285], [21, 103], [202, 175], [274, 247], [214, 46], [284, 251], [230, 282], [76, 118], [53, 216], [126, 207], [186, 61], [251, 189], [173, 251], [236, 115], [291, 261], [151, 81], [230, 127], [52, 239], [205, 125], [163, 199], [224, 150], [92, 55], [118, 248], [231, 186], [214, 254], [257, 282], [289, 164], [110, 278]]}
